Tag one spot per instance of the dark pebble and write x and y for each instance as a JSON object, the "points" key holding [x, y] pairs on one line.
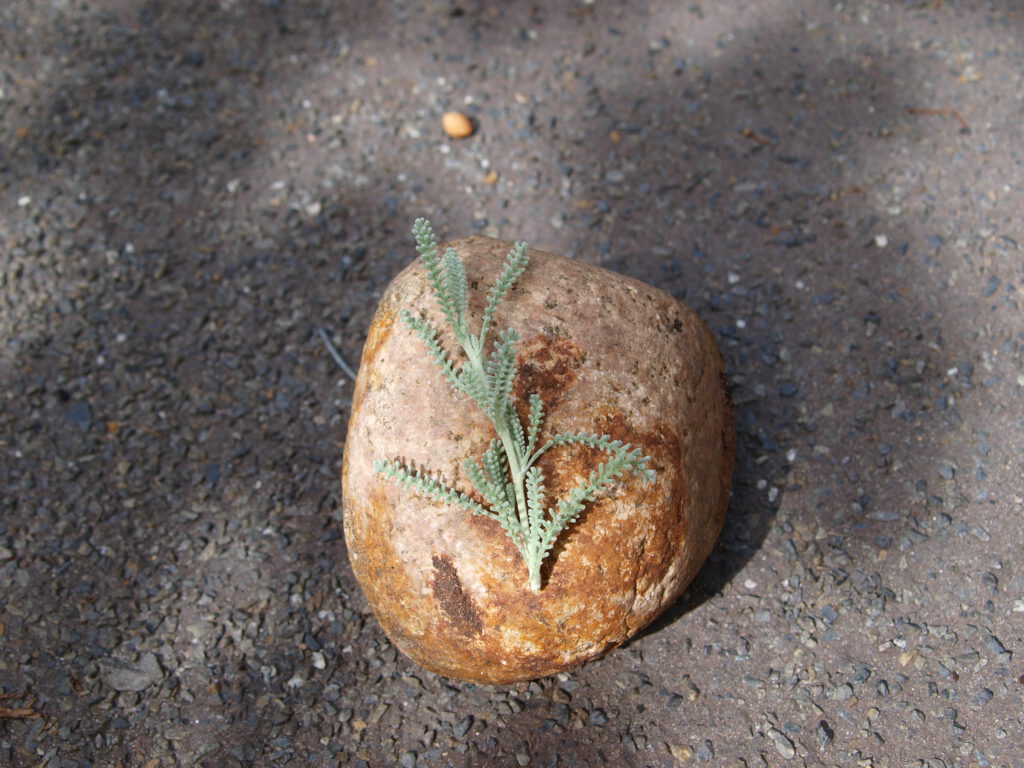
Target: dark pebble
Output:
{"points": [[462, 727], [983, 697], [706, 751], [991, 286], [993, 644], [825, 734], [80, 415], [212, 473]]}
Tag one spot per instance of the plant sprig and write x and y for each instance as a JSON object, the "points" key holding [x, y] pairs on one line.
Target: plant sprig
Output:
{"points": [[506, 476]]}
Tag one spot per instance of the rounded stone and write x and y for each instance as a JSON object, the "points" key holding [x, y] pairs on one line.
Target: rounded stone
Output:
{"points": [[457, 125], [607, 354]]}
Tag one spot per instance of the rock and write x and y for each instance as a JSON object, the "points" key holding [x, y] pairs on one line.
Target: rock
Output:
{"points": [[457, 125], [606, 354], [80, 415], [681, 752], [127, 676]]}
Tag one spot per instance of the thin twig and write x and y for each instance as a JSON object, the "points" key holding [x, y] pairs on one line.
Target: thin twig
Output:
{"points": [[20, 713], [964, 125], [336, 355], [756, 138]]}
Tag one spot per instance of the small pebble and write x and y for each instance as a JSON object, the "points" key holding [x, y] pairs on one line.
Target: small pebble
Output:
{"points": [[462, 727], [131, 676], [983, 697], [706, 751], [825, 735], [457, 125], [843, 693], [980, 533], [991, 286], [80, 415], [783, 744], [994, 645], [681, 752]]}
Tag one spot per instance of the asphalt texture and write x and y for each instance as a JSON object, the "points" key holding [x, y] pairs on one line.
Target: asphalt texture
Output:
{"points": [[191, 191]]}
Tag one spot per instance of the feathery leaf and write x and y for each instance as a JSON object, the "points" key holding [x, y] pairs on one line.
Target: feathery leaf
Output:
{"points": [[457, 288], [536, 500], [493, 492], [427, 486], [534, 423], [515, 265], [496, 467], [426, 244], [428, 333], [501, 372]]}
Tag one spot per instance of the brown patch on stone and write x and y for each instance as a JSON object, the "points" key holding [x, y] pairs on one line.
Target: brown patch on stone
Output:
{"points": [[547, 367], [566, 466], [456, 604], [662, 444]]}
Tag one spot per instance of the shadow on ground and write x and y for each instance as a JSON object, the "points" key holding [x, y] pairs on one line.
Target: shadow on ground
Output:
{"points": [[171, 415], [724, 182]]}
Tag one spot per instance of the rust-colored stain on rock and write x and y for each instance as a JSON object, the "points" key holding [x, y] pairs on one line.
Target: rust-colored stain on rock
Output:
{"points": [[606, 354], [456, 604], [547, 367]]}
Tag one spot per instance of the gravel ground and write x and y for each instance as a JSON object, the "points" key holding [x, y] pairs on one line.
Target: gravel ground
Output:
{"points": [[190, 190]]}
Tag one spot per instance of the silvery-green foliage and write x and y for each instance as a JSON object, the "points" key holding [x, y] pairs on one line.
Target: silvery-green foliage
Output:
{"points": [[506, 476]]}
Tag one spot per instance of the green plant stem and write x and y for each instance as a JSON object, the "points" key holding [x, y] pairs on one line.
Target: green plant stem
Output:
{"points": [[534, 563], [518, 466], [512, 451]]}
